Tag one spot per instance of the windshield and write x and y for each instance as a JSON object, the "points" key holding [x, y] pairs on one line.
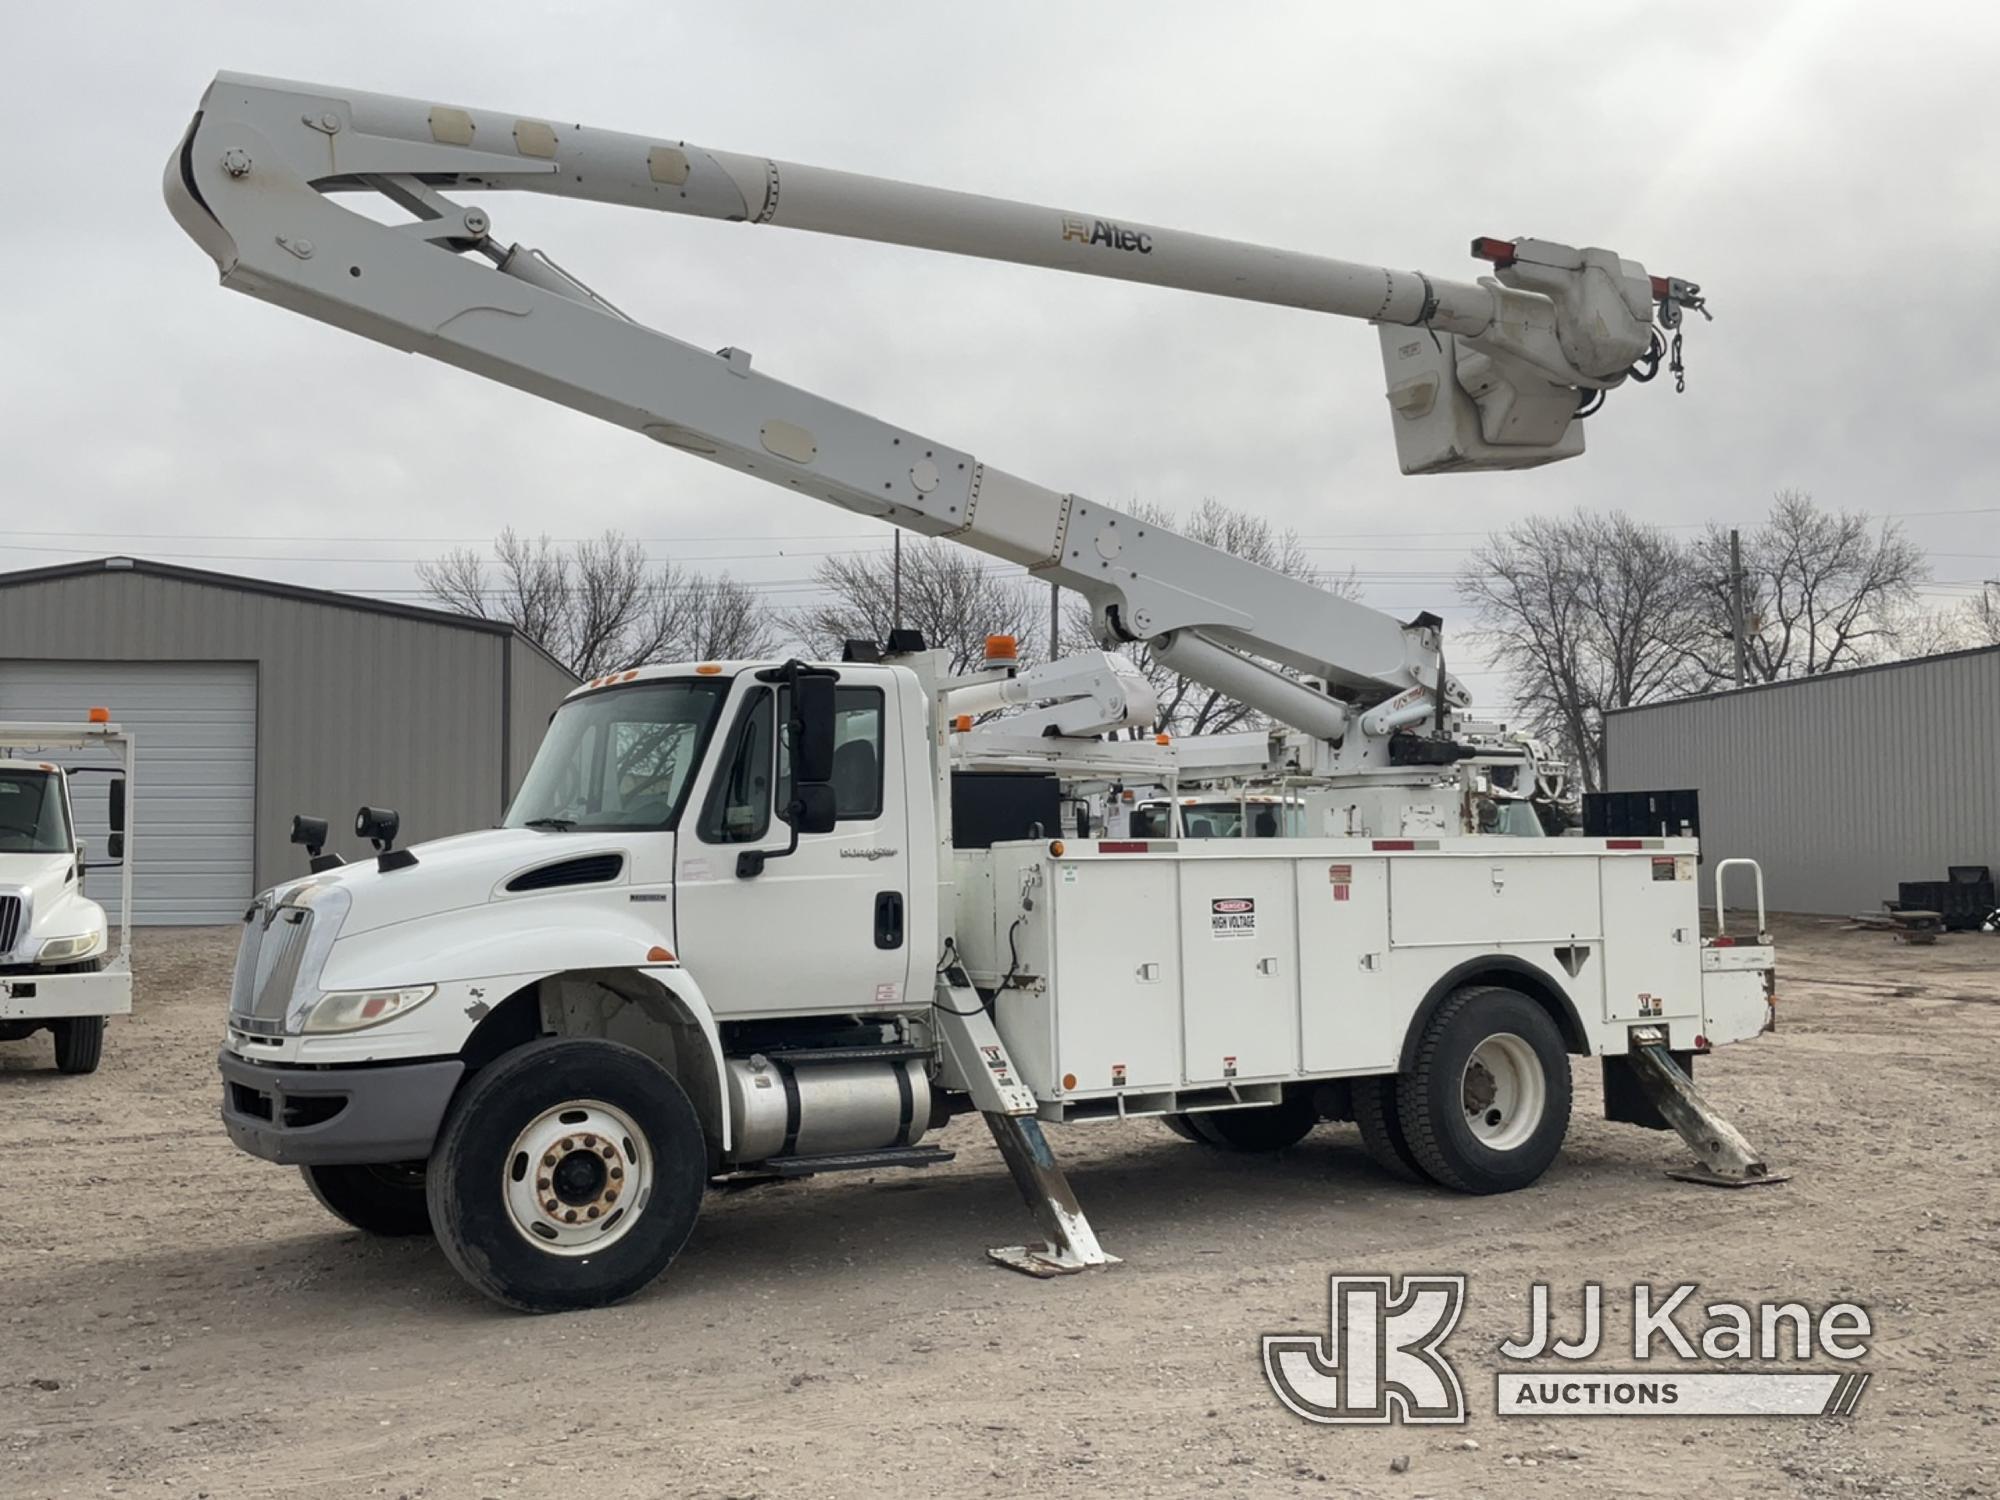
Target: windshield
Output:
{"points": [[620, 759], [33, 819]]}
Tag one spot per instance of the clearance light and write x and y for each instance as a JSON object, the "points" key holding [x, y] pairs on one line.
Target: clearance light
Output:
{"points": [[962, 724], [1163, 739], [100, 716], [351, 1010], [1056, 848], [1069, 1080], [709, 669]]}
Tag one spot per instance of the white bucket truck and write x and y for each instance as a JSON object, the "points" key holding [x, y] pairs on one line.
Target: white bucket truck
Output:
{"points": [[768, 919], [59, 971]]}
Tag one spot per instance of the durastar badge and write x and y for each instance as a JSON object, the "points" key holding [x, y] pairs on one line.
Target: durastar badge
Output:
{"points": [[869, 854]]}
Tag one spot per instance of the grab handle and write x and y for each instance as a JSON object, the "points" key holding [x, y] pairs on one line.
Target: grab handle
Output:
{"points": [[1720, 929]]}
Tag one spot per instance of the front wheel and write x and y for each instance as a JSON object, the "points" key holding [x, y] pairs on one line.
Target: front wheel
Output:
{"points": [[79, 1044], [385, 1199], [568, 1175], [1486, 1108]]}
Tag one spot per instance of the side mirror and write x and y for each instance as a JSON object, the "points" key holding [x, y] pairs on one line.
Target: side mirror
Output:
{"points": [[117, 807], [114, 845], [812, 730], [814, 807]]}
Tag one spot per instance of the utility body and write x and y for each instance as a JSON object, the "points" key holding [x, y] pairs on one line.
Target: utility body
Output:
{"points": [[60, 969], [757, 920]]}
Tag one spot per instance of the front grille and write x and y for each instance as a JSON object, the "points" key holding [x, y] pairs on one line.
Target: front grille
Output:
{"points": [[10, 922], [267, 965]]}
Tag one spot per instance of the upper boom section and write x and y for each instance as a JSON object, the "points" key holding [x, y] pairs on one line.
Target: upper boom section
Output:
{"points": [[1489, 374]]}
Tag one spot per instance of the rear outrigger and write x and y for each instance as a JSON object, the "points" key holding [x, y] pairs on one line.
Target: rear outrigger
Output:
{"points": [[760, 920]]}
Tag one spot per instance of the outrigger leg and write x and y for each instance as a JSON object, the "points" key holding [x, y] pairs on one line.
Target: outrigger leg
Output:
{"points": [[976, 1061], [1727, 1159]]}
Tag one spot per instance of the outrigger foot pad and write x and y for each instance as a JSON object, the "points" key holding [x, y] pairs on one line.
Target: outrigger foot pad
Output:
{"points": [[1715, 1179]]}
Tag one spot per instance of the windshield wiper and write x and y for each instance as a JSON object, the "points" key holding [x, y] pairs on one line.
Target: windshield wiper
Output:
{"points": [[553, 825]]}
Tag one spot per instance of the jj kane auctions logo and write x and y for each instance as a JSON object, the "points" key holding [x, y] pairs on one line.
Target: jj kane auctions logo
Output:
{"points": [[1104, 232], [1382, 1357]]}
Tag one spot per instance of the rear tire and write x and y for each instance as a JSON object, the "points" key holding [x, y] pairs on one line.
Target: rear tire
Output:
{"points": [[1262, 1128], [568, 1175], [388, 1199], [1487, 1106], [1382, 1132], [79, 1043]]}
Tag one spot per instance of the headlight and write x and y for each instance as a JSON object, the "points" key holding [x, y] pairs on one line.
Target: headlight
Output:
{"points": [[350, 1010], [64, 949]]}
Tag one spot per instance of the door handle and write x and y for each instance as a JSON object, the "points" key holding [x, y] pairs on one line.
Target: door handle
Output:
{"points": [[889, 919]]}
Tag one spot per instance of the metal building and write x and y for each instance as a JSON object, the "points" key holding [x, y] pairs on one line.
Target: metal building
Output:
{"points": [[254, 700], [1841, 786]]}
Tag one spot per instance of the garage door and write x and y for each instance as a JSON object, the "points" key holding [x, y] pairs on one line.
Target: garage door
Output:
{"points": [[194, 787]]}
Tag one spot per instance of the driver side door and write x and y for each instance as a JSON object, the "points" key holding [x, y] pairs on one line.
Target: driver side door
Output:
{"points": [[820, 929]]}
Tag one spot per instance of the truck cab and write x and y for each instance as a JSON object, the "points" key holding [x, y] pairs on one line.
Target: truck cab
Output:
{"points": [[58, 968]]}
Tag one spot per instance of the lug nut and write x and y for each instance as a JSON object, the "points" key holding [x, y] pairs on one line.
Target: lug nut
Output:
{"points": [[570, 1215], [593, 1213]]}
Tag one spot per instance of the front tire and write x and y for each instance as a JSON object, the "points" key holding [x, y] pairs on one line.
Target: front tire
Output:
{"points": [[79, 1043], [568, 1175], [387, 1199], [1487, 1106]]}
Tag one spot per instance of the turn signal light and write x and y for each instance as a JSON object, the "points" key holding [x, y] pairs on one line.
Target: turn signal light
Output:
{"points": [[658, 955]]}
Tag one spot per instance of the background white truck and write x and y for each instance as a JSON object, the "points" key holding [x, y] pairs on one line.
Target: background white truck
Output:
{"points": [[58, 969], [766, 919]]}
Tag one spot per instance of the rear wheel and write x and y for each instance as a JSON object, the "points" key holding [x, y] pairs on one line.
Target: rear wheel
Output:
{"points": [[79, 1043], [1259, 1128], [568, 1175], [1382, 1132], [1487, 1106], [386, 1198]]}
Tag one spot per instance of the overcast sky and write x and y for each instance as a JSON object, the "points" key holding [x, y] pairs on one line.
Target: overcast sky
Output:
{"points": [[1826, 171]]}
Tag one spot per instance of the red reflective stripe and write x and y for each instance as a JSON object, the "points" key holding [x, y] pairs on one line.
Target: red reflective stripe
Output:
{"points": [[1623, 844], [1113, 846], [1395, 844]]}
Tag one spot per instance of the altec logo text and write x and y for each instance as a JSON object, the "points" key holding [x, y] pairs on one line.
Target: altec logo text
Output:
{"points": [[1104, 232], [1382, 1359]]}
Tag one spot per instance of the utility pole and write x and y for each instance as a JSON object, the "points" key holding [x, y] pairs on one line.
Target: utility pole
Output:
{"points": [[896, 589], [1055, 621], [1736, 624]]}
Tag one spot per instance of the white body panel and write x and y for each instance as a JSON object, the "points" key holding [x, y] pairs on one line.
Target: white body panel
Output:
{"points": [[1205, 964]]}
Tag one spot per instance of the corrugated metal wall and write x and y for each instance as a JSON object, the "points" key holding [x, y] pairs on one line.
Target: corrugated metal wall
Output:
{"points": [[1840, 786], [354, 705]]}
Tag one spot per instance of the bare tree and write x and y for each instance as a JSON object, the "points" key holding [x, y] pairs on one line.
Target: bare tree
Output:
{"points": [[602, 605], [1980, 617], [1187, 706], [954, 597], [1823, 590], [1586, 613]]}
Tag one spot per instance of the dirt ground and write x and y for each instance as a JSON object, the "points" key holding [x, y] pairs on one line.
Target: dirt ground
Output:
{"points": [[180, 1320]]}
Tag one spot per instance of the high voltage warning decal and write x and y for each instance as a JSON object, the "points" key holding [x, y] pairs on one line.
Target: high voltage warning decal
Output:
{"points": [[1232, 917]]}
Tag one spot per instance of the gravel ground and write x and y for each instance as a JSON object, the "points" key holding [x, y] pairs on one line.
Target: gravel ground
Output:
{"points": [[181, 1320]]}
